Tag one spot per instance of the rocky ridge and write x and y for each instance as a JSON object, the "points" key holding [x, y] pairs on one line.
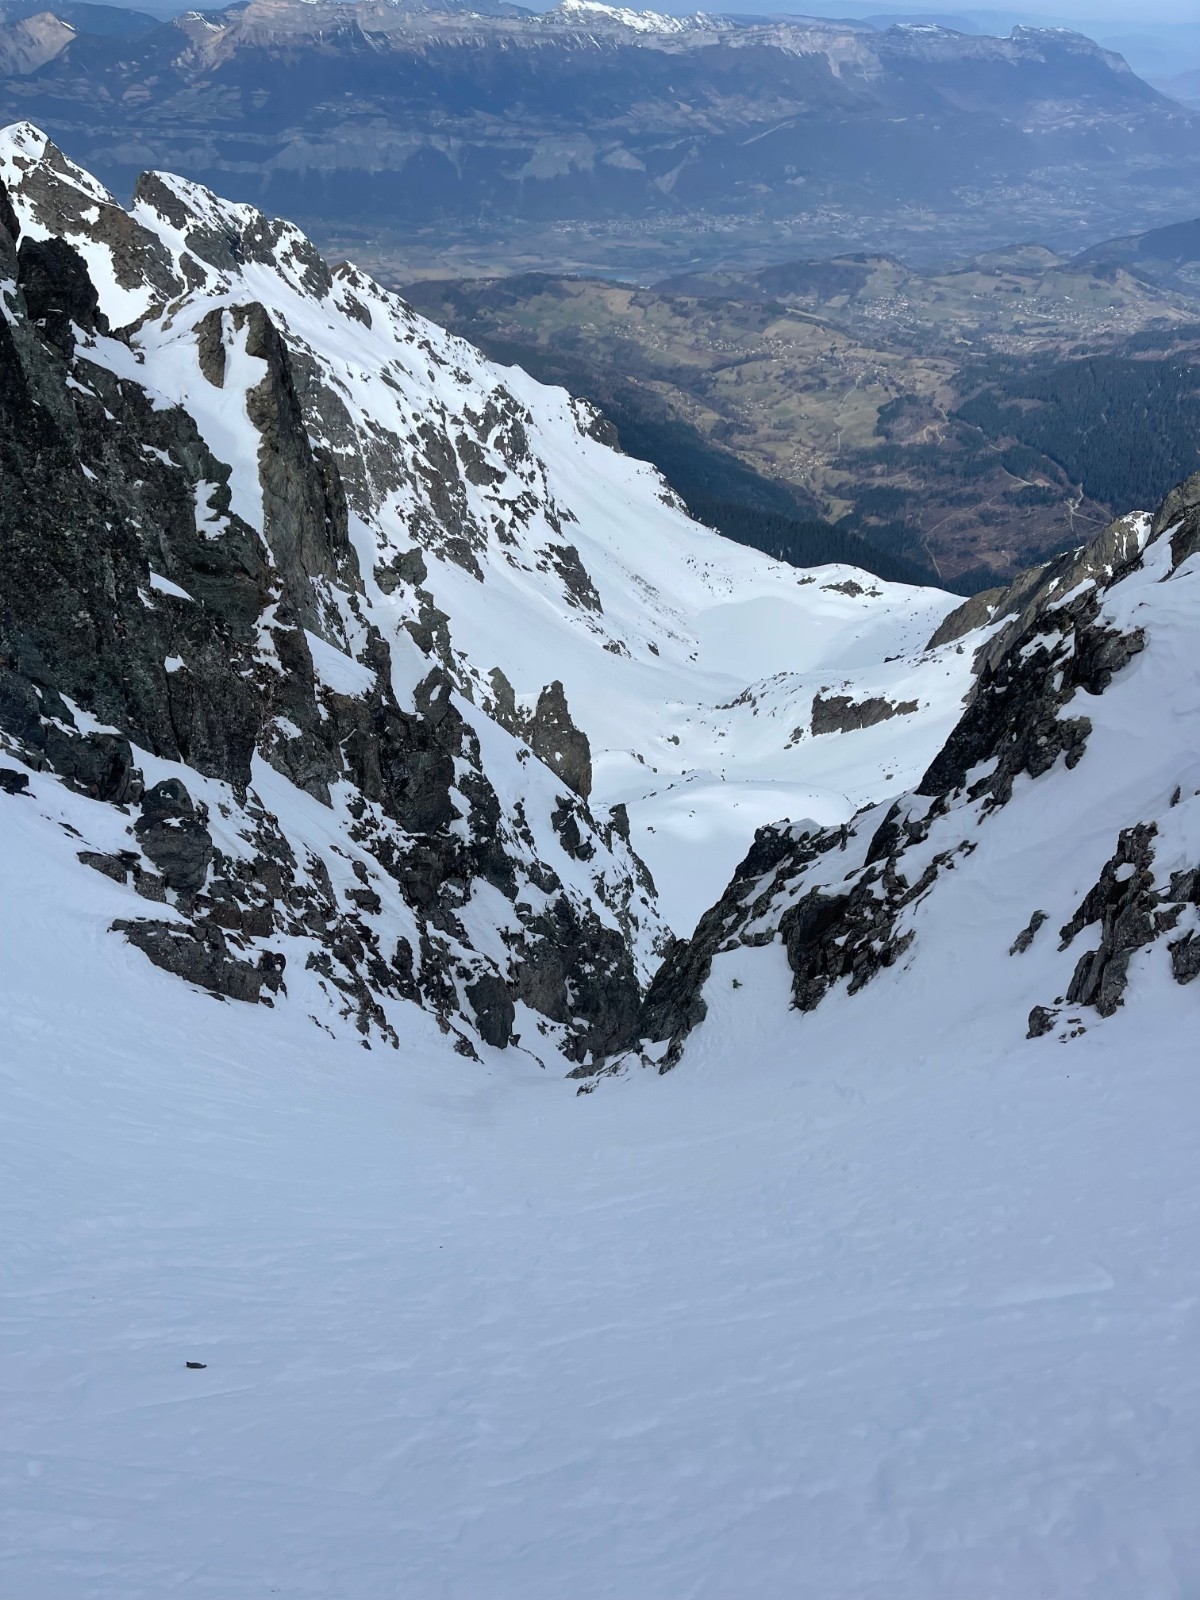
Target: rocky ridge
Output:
{"points": [[846, 904], [160, 609]]}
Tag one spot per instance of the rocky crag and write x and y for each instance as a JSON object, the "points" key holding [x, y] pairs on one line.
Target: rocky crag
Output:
{"points": [[1105, 634], [227, 626]]}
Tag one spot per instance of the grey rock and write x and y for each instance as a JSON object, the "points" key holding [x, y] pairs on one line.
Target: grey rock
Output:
{"points": [[1027, 934], [1041, 1021], [1033, 668], [200, 955], [494, 1011], [174, 835], [840, 713], [559, 743], [1123, 902], [59, 295], [1180, 511], [1185, 958]]}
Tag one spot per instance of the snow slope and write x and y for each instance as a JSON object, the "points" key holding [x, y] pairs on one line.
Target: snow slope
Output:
{"points": [[690, 662], [885, 1300], [994, 898]]}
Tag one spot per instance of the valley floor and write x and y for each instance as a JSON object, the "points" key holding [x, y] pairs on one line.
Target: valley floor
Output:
{"points": [[846, 1314]]}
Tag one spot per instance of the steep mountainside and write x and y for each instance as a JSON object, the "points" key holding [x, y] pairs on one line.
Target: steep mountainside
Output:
{"points": [[379, 659], [952, 420], [663, 139], [328, 652], [1043, 873]]}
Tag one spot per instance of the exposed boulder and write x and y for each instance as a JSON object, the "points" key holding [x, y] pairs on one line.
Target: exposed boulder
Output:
{"points": [[559, 743], [840, 713], [175, 836], [201, 956]]}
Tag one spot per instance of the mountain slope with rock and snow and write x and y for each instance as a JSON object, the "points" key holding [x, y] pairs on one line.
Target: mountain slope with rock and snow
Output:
{"points": [[1043, 872], [273, 530], [329, 655]]}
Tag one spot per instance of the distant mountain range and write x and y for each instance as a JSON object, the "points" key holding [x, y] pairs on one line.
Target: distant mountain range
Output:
{"points": [[671, 139]]}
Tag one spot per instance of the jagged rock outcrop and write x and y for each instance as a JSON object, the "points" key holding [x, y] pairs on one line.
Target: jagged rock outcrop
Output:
{"points": [[841, 713], [214, 614], [1180, 512], [1053, 646], [1129, 910], [173, 834], [845, 903], [559, 743]]}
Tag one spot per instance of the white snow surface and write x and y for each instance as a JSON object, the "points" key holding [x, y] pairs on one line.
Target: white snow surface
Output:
{"points": [[577, 12], [883, 1300], [695, 680]]}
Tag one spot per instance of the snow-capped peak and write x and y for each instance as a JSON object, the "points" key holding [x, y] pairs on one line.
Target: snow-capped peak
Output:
{"points": [[579, 13]]}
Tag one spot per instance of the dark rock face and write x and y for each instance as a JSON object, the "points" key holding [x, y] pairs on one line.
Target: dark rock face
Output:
{"points": [[838, 713], [1123, 902], [1041, 1022], [1180, 511], [1132, 913], [1185, 958], [133, 593], [494, 1010], [559, 743], [78, 550], [59, 295], [1053, 647], [674, 1002], [201, 957], [304, 504], [172, 833]]}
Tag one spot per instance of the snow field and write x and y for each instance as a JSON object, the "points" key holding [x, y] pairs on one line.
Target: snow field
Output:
{"points": [[839, 1308]]}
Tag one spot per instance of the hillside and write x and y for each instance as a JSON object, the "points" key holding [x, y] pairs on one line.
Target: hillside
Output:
{"points": [[845, 1245], [967, 421]]}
